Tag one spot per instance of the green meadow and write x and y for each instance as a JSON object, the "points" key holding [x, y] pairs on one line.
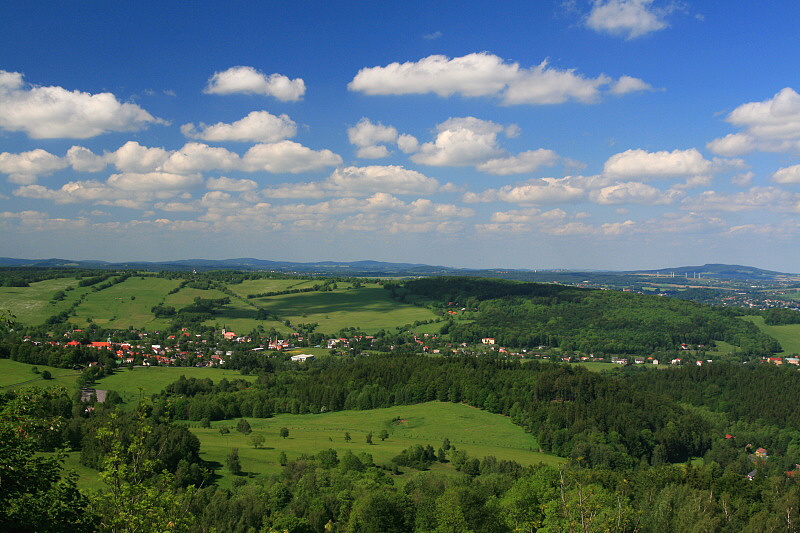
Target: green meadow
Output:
{"points": [[146, 381], [788, 335], [260, 286], [722, 348], [14, 375], [126, 304], [240, 316], [129, 304], [31, 305], [478, 432], [370, 308], [186, 296]]}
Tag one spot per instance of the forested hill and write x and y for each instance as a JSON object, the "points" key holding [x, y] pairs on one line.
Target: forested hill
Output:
{"points": [[570, 410], [528, 315]]}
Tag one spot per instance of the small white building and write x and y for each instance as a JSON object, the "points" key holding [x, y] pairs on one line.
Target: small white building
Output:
{"points": [[303, 357]]}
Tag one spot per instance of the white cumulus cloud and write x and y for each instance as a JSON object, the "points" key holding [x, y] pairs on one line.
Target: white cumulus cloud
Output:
{"points": [[534, 192], [360, 181], [633, 193], [370, 138], [24, 168], [153, 181], [199, 157], [133, 157], [485, 74], [230, 184], [84, 160], [257, 126], [461, 142], [626, 18], [520, 163], [640, 164], [627, 84], [771, 125], [787, 175], [248, 80], [54, 112], [769, 198], [287, 156]]}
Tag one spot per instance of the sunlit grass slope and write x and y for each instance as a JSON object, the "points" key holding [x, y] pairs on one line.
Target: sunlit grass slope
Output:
{"points": [[478, 432]]}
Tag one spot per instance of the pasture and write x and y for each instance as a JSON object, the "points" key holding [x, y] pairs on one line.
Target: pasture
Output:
{"points": [[14, 375], [369, 308], [478, 432], [260, 286], [31, 305], [126, 304], [788, 335], [146, 381], [241, 317]]}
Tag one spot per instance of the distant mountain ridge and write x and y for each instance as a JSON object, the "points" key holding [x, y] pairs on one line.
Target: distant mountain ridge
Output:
{"points": [[381, 268], [327, 267], [716, 270]]}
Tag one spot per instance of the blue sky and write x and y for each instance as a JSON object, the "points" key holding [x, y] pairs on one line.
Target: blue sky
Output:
{"points": [[608, 134]]}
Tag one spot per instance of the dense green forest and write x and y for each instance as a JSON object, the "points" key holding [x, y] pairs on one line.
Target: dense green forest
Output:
{"points": [[528, 315], [629, 467], [570, 410]]}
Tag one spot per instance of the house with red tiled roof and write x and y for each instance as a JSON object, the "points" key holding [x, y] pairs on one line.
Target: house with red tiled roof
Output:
{"points": [[100, 345]]}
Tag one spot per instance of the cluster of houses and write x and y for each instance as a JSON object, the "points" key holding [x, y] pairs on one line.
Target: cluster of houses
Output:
{"points": [[782, 360]]}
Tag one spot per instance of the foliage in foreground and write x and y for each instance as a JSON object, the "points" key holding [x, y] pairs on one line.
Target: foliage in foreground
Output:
{"points": [[34, 493]]}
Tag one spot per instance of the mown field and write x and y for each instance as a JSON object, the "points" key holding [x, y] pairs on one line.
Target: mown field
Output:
{"points": [[478, 432], [126, 304], [146, 381], [14, 375], [788, 335], [369, 308], [31, 305], [260, 286], [129, 304]]}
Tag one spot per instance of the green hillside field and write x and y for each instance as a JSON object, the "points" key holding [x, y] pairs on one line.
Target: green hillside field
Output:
{"points": [[32, 305], [14, 375], [146, 381], [370, 308], [788, 335], [129, 303], [126, 304], [475, 431]]}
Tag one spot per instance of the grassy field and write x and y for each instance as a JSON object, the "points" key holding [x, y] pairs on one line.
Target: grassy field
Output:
{"points": [[88, 478], [596, 366], [31, 305], [129, 304], [260, 286], [126, 304], [186, 295], [788, 335], [722, 348], [370, 308], [14, 375], [478, 432], [151, 380], [241, 317]]}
